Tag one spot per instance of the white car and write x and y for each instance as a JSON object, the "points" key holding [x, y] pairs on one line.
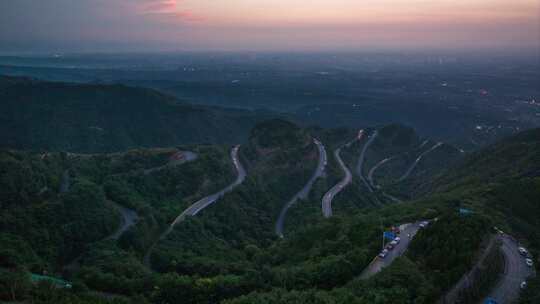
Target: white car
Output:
{"points": [[522, 251], [523, 285], [397, 240], [499, 231], [529, 262], [383, 253]]}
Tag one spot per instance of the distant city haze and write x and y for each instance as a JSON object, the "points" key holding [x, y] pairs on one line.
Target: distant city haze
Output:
{"points": [[267, 25]]}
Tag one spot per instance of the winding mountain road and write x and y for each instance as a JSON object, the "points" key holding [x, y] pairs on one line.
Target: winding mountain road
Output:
{"points": [[515, 271], [198, 206], [418, 159], [507, 288], [329, 196], [207, 201], [360, 166], [180, 157], [129, 218], [302, 194], [453, 294], [372, 171], [392, 198]]}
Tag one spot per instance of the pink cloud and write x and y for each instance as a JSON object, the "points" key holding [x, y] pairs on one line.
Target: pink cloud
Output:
{"points": [[167, 11], [157, 6], [153, 6]]}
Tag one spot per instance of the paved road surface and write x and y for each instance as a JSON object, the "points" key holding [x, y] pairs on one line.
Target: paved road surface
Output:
{"points": [[372, 171], [359, 167], [188, 156], [129, 218], [452, 295], [392, 198], [65, 182], [378, 263], [418, 159], [198, 206], [515, 272], [305, 191], [207, 201], [384, 161], [329, 196]]}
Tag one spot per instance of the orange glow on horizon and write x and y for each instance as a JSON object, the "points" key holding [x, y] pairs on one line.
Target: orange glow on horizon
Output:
{"points": [[319, 12]]}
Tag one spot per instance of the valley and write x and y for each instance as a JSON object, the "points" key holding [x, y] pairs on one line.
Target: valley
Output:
{"points": [[269, 152], [242, 207]]}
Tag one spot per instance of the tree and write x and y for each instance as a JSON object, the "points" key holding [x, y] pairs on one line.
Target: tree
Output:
{"points": [[14, 284]]}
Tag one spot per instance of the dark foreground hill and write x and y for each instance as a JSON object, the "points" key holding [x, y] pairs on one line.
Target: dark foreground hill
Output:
{"points": [[104, 118]]}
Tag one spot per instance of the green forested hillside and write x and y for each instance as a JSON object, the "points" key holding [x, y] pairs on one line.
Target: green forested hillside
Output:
{"points": [[54, 205], [499, 183], [102, 118], [515, 157], [229, 253], [280, 158], [502, 181], [46, 227]]}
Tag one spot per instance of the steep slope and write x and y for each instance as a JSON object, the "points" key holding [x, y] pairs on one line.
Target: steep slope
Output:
{"points": [[62, 217], [499, 184], [50, 227], [229, 251], [502, 180], [514, 158], [104, 118], [279, 158]]}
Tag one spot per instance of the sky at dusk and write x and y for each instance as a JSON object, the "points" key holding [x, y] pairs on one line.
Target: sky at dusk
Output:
{"points": [[267, 25]]}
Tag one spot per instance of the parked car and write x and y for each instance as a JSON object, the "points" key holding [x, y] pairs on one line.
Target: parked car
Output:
{"points": [[383, 254], [390, 246], [523, 285], [499, 231], [522, 251], [424, 224], [397, 240], [529, 262]]}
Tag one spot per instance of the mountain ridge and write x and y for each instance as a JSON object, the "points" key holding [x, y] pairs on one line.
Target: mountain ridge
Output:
{"points": [[57, 116]]}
